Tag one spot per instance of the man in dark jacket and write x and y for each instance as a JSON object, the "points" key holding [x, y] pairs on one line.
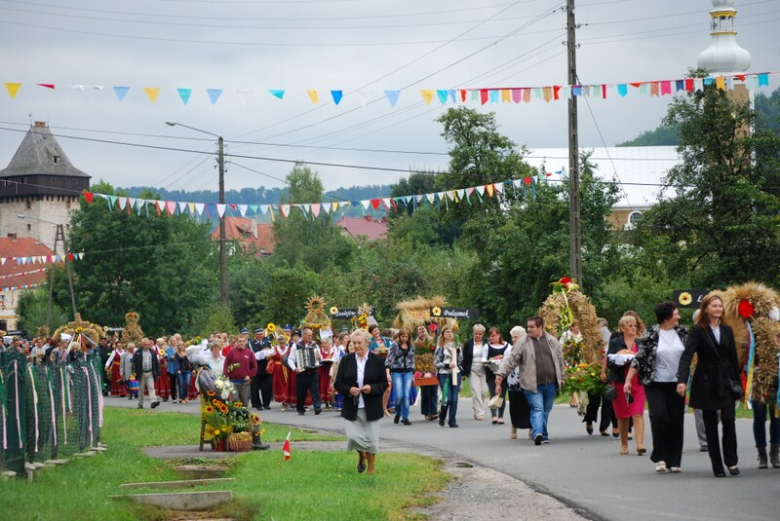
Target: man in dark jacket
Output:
{"points": [[262, 383], [146, 367]]}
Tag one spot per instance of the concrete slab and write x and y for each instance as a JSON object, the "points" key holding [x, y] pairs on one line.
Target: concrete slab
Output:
{"points": [[190, 501], [186, 483]]}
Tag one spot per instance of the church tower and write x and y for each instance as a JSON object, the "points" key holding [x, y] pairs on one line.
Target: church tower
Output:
{"points": [[41, 184], [724, 56]]}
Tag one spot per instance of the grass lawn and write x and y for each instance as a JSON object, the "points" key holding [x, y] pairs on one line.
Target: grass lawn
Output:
{"points": [[312, 485]]}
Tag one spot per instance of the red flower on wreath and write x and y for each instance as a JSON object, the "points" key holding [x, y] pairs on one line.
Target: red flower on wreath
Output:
{"points": [[565, 282], [745, 309]]}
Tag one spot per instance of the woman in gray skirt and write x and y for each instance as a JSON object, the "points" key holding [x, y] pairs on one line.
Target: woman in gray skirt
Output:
{"points": [[361, 379]]}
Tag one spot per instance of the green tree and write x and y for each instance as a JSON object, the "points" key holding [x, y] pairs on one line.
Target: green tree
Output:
{"points": [[163, 267], [721, 225], [33, 309], [304, 239]]}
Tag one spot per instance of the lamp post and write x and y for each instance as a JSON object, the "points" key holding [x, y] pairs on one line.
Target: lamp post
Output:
{"points": [[59, 236], [221, 162]]}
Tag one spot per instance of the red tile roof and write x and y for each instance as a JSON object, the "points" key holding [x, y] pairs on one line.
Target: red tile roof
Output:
{"points": [[14, 274], [367, 226], [260, 239]]}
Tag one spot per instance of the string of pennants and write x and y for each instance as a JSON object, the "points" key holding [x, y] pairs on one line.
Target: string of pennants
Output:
{"points": [[25, 286], [483, 96], [22, 274], [39, 259], [313, 210]]}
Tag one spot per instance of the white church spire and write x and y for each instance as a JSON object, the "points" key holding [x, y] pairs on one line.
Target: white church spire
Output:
{"points": [[724, 55]]}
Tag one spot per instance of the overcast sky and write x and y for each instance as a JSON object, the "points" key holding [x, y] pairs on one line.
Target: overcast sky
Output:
{"points": [[296, 45]]}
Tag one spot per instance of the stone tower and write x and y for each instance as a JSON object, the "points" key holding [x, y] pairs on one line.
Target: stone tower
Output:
{"points": [[41, 184]]}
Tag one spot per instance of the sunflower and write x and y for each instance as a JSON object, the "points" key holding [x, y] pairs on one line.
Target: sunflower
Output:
{"points": [[208, 409], [218, 404], [315, 303], [685, 298], [79, 330], [238, 404], [436, 311], [334, 310], [271, 327], [210, 393], [255, 419]]}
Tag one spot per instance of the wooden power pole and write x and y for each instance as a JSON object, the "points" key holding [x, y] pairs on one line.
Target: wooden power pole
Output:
{"points": [[575, 230]]}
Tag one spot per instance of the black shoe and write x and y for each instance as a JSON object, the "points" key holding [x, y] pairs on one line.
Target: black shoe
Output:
{"points": [[719, 473], [258, 409], [406, 422], [453, 425], [301, 413], [704, 448], [140, 406], [155, 404], [589, 428], [397, 418], [734, 471], [604, 433], [317, 411], [267, 407], [538, 439], [361, 468]]}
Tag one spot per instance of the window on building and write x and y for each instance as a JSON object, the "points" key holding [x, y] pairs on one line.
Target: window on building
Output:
{"points": [[56, 159], [634, 217], [29, 204], [29, 227]]}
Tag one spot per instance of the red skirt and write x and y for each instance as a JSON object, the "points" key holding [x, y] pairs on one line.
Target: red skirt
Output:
{"points": [[193, 392], [117, 384], [292, 391], [163, 385], [281, 375], [325, 394]]}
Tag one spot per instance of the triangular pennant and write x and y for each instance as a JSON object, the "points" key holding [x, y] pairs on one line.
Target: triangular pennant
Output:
{"points": [[152, 93], [306, 209], [363, 95], [182, 206], [159, 206], [365, 203], [375, 203], [313, 96], [337, 95], [499, 187], [121, 92], [392, 96], [89, 196], [315, 209], [431, 197], [443, 95], [386, 201], [214, 95], [121, 201], [253, 208], [46, 85], [325, 208], [170, 207], [277, 93], [489, 190], [191, 207], [480, 190], [184, 94], [111, 201], [242, 208], [12, 89], [200, 207], [427, 96], [284, 209], [221, 210]]}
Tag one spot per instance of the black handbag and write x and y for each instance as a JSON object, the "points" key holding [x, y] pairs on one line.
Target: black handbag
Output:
{"points": [[610, 393]]}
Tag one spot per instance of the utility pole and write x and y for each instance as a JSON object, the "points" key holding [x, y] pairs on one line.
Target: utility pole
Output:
{"points": [[223, 296], [575, 230], [60, 236]]}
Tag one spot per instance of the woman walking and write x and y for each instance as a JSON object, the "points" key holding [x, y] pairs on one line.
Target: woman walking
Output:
{"points": [[400, 367], [656, 363], [362, 380], [497, 349], [475, 352], [715, 384], [519, 410], [630, 400], [183, 372], [448, 359]]}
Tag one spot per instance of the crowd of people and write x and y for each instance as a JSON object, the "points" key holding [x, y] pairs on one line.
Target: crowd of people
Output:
{"points": [[368, 375]]}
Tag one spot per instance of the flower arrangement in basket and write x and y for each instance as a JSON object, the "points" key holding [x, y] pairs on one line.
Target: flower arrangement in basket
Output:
{"points": [[585, 378], [423, 358], [228, 421], [572, 352]]}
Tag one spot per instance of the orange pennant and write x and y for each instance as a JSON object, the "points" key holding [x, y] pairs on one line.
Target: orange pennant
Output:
{"points": [[313, 96]]}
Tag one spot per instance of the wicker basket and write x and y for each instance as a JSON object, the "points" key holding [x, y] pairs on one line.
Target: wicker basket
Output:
{"points": [[239, 442]]}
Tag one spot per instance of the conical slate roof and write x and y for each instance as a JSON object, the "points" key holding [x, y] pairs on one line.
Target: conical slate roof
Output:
{"points": [[40, 154]]}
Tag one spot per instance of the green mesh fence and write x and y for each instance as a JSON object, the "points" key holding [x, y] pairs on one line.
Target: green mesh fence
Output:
{"points": [[48, 411]]}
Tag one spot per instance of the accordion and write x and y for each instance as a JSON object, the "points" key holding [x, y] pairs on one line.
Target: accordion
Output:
{"points": [[307, 357]]}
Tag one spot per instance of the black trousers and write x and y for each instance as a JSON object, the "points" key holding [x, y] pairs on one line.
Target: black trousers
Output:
{"points": [[174, 381], [308, 381], [596, 400], [729, 438], [519, 410], [667, 413], [262, 389]]}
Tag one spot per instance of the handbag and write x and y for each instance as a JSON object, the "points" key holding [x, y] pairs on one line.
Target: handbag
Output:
{"points": [[611, 392], [269, 367], [733, 386], [496, 402]]}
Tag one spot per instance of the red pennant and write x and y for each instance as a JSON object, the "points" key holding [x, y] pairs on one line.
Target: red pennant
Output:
{"points": [[604, 91], [89, 196], [689, 85], [740, 77], [157, 206], [70, 257], [463, 95], [483, 96], [556, 92], [637, 84], [233, 206], [527, 181], [47, 85], [375, 203]]}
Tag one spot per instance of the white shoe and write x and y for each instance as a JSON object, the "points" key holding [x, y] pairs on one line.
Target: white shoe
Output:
{"points": [[675, 470], [660, 467]]}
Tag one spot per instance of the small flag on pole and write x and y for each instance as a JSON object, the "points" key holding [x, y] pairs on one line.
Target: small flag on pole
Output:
{"points": [[286, 447]]}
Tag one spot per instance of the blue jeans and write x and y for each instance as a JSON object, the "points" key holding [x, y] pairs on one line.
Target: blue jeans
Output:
{"points": [[759, 420], [452, 397], [184, 385], [541, 403], [402, 385]]}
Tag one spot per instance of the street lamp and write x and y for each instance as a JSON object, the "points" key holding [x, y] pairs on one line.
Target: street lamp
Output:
{"points": [[221, 162], [60, 235]]}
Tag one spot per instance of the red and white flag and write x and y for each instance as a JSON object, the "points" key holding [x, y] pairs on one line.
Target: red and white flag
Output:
{"points": [[286, 447]]}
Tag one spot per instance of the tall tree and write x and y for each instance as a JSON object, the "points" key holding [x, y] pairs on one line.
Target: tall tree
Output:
{"points": [[721, 226]]}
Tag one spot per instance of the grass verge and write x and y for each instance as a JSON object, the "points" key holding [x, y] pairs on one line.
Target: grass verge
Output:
{"points": [[313, 485]]}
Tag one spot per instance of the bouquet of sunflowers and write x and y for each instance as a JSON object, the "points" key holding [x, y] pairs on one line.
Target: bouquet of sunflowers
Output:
{"points": [[584, 378]]}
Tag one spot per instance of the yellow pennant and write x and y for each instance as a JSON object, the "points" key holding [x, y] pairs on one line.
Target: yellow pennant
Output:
{"points": [[191, 206], [313, 96], [152, 92], [720, 82], [427, 96], [12, 88], [489, 189], [334, 207], [506, 96], [455, 196]]}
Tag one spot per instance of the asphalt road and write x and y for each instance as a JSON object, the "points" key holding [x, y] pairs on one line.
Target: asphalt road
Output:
{"points": [[584, 472]]}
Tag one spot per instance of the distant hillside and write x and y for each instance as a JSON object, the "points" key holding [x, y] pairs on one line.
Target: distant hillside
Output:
{"points": [[767, 107]]}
